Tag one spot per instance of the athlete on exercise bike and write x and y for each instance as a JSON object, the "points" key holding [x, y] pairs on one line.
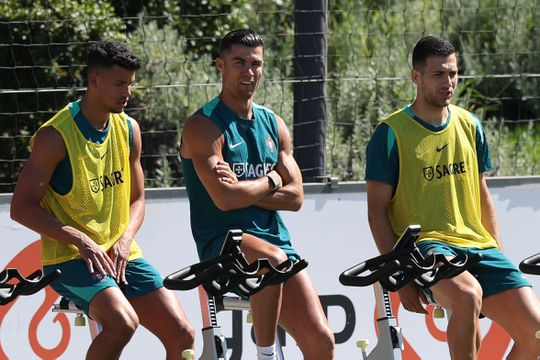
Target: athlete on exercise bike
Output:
{"points": [[239, 171], [425, 165]]}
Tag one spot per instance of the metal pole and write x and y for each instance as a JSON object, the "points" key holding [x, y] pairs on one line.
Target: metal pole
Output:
{"points": [[309, 135]]}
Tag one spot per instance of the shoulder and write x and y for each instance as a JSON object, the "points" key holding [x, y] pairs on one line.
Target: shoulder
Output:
{"points": [[200, 137], [393, 117], [198, 120], [52, 132], [266, 113], [467, 119], [131, 123], [199, 127], [208, 108], [383, 138], [270, 118], [382, 128], [383, 133], [48, 135], [263, 109], [463, 114], [49, 142], [60, 118], [459, 110]]}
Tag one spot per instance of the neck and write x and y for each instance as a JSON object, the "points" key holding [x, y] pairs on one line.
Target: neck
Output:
{"points": [[95, 114], [241, 107], [433, 115]]}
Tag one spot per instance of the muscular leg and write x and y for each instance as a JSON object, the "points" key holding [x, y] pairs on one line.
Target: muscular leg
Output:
{"points": [[302, 316], [265, 305], [160, 312], [518, 312], [463, 295], [300, 307], [118, 320]]}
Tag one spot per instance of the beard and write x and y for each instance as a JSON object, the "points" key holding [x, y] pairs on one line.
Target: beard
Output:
{"points": [[437, 102], [116, 108]]}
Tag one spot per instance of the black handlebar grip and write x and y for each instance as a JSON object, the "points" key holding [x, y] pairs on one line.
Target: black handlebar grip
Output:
{"points": [[282, 273], [531, 265], [190, 277], [351, 276], [26, 286], [33, 288]]}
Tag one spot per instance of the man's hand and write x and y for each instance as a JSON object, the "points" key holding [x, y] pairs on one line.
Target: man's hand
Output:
{"points": [[225, 173], [97, 260], [412, 297], [119, 254]]}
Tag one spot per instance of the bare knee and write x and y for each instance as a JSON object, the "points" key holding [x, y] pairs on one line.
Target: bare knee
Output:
{"points": [[468, 300], [276, 256], [318, 343], [183, 337], [120, 326]]}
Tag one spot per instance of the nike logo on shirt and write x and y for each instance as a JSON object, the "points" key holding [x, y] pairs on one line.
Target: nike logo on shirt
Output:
{"points": [[439, 149], [235, 145]]}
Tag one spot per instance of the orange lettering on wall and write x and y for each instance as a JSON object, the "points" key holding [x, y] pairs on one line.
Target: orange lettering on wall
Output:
{"points": [[493, 347], [408, 353], [494, 343], [27, 261]]}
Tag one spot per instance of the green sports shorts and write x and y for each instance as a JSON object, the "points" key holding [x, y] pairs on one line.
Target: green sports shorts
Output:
{"points": [[78, 285], [495, 272]]}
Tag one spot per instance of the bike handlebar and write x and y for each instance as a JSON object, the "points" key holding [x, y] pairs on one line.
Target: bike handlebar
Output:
{"points": [[192, 276], [404, 264], [531, 265], [231, 271], [26, 286]]}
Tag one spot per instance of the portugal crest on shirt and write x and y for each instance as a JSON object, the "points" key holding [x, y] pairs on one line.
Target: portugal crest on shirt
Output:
{"points": [[239, 169], [428, 173], [94, 185], [270, 144]]}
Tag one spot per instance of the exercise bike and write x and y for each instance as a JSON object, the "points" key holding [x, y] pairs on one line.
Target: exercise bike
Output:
{"points": [[392, 271], [531, 265], [230, 271], [215, 277], [13, 284]]}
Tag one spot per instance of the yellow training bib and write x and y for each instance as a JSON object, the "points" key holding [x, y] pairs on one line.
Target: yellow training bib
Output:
{"points": [[99, 200], [438, 185]]}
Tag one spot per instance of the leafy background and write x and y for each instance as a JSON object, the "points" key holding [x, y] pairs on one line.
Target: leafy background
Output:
{"points": [[43, 46]]}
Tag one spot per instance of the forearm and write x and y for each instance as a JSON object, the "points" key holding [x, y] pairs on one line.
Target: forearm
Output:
{"points": [[242, 194], [489, 219], [136, 217], [379, 196], [39, 220], [285, 198], [291, 195], [489, 212], [381, 230]]}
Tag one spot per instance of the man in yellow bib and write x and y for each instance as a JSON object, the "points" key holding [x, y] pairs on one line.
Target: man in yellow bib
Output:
{"points": [[425, 165], [82, 189]]}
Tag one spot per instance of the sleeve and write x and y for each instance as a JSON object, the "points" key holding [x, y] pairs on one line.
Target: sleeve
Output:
{"points": [[382, 158], [482, 148]]}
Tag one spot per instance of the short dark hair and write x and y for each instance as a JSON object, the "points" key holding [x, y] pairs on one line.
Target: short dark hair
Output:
{"points": [[106, 54], [246, 37], [430, 46]]}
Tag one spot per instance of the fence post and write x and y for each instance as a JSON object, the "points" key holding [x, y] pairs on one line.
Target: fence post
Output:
{"points": [[309, 133]]}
